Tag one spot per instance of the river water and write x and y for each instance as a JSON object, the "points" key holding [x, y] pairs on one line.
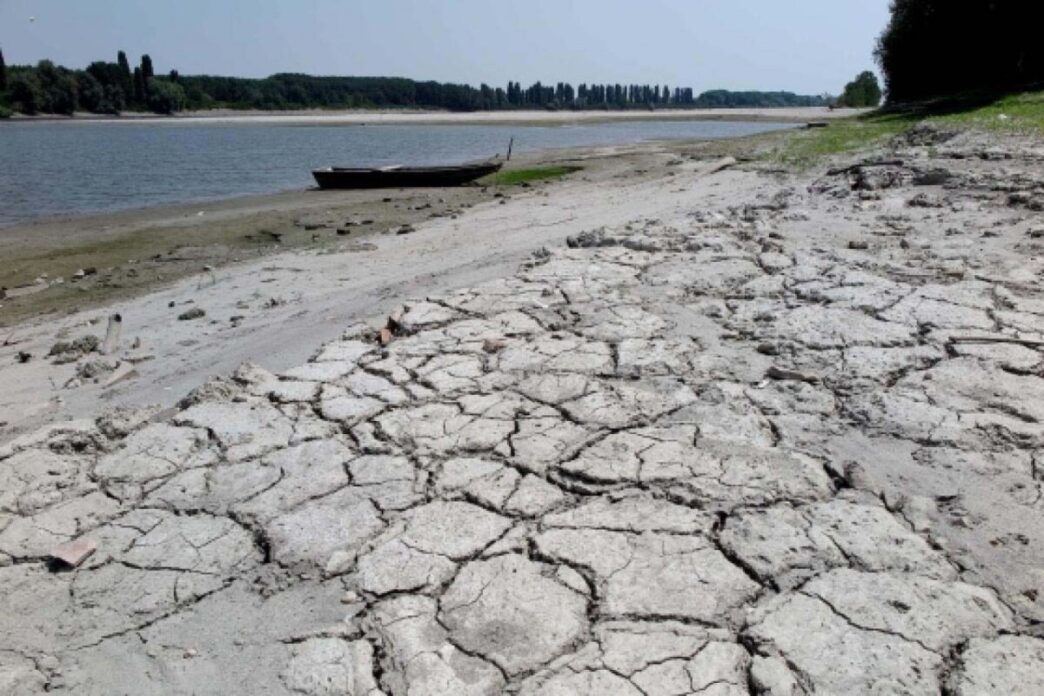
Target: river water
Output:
{"points": [[50, 169]]}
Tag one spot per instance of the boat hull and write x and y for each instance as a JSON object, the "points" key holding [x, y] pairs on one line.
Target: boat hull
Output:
{"points": [[404, 177]]}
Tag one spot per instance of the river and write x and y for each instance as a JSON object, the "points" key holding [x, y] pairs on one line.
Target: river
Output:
{"points": [[50, 169]]}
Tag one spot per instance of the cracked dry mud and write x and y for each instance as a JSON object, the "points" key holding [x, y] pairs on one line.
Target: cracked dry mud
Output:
{"points": [[723, 454]]}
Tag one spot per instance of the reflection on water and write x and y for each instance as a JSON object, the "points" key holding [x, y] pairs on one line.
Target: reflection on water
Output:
{"points": [[49, 169]]}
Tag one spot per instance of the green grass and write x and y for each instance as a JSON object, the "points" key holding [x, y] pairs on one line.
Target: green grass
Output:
{"points": [[1019, 113], [514, 177]]}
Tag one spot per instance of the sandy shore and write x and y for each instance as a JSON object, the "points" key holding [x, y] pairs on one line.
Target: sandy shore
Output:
{"points": [[349, 118]]}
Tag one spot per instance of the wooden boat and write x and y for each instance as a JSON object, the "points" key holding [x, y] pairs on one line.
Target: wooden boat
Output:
{"points": [[403, 177]]}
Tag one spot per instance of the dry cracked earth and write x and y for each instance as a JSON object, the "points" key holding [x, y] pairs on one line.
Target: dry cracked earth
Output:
{"points": [[787, 447]]}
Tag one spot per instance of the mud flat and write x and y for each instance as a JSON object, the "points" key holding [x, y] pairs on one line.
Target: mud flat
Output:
{"points": [[725, 432]]}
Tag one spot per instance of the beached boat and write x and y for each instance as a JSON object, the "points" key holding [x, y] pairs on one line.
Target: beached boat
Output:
{"points": [[403, 177]]}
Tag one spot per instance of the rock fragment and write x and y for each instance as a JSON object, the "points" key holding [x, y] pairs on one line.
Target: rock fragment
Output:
{"points": [[73, 553], [190, 314]]}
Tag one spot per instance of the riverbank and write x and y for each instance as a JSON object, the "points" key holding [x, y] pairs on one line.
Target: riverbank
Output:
{"points": [[676, 422], [278, 275], [131, 252], [402, 117]]}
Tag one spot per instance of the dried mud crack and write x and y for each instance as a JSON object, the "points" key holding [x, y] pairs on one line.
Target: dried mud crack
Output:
{"points": [[724, 453]]}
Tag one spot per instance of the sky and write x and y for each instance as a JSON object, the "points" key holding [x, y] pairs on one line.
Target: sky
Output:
{"points": [[804, 46]]}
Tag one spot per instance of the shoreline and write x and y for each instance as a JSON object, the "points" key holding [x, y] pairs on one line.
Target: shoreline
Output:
{"points": [[388, 117], [546, 153], [139, 250], [273, 272]]}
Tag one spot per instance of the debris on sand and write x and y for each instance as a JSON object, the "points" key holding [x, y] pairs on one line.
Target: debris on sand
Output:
{"points": [[73, 553], [493, 345], [591, 239], [273, 302], [122, 373], [194, 313], [71, 351], [92, 369], [784, 374], [113, 331]]}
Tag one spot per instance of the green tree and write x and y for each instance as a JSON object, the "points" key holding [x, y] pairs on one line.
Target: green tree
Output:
{"points": [[59, 88], [91, 94], [165, 97], [934, 48], [139, 88], [27, 95], [3, 73], [126, 81], [862, 91], [146, 68], [115, 99]]}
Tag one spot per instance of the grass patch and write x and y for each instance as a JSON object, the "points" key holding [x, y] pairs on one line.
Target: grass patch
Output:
{"points": [[514, 177], [1018, 113]]}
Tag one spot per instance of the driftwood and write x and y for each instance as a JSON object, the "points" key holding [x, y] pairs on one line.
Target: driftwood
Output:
{"points": [[861, 165]]}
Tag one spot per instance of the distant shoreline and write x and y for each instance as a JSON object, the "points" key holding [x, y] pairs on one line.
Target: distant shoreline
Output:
{"points": [[401, 117]]}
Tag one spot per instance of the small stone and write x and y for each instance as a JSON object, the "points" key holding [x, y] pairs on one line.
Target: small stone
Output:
{"points": [[493, 345], [384, 336], [73, 553], [784, 374], [194, 313], [859, 244], [857, 477]]}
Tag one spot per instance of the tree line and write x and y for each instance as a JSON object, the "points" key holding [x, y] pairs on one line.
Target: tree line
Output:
{"points": [[102, 88], [938, 48], [112, 88]]}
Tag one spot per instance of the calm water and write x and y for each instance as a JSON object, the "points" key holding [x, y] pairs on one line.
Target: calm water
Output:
{"points": [[49, 169]]}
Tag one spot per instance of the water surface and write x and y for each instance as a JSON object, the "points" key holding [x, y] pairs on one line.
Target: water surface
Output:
{"points": [[63, 168]]}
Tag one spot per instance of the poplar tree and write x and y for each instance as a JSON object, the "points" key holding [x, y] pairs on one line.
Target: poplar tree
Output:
{"points": [[3, 73], [139, 87], [146, 68], [125, 73]]}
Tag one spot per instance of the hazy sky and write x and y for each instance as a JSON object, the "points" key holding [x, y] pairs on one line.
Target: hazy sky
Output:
{"points": [[807, 46]]}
